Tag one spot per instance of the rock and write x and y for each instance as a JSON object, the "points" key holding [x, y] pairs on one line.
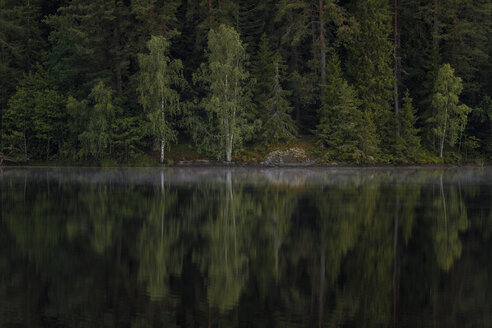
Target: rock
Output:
{"points": [[292, 156]]}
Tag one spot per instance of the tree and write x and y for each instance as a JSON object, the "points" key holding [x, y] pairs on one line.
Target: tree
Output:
{"points": [[450, 119], [34, 119], [158, 78], [369, 63], [408, 141], [277, 122], [96, 137], [343, 129], [90, 44], [263, 70], [465, 36], [226, 78]]}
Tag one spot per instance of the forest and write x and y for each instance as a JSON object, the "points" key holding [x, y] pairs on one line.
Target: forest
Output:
{"points": [[353, 81]]}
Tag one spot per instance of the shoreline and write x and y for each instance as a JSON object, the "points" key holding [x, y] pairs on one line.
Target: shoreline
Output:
{"points": [[254, 166]]}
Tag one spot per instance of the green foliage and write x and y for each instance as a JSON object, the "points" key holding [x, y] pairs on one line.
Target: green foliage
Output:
{"points": [[228, 96], [451, 117], [408, 142], [278, 124], [95, 139], [369, 65], [344, 131], [81, 43], [158, 79], [263, 71], [33, 122], [21, 43]]}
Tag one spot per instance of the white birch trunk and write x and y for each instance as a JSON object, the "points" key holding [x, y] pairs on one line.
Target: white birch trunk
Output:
{"points": [[161, 160], [444, 131]]}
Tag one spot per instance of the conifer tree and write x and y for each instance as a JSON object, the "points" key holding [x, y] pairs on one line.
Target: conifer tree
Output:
{"points": [[466, 36], [21, 44], [159, 76], [263, 70], [277, 123], [408, 142], [369, 64], [89, 40], [344, 131], [451, 117]]}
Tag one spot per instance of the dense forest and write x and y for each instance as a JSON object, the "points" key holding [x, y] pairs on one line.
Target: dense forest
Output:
{"points": [[361, 81]]}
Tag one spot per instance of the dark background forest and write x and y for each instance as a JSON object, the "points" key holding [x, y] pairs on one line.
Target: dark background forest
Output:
{"points": [[359, 81]]}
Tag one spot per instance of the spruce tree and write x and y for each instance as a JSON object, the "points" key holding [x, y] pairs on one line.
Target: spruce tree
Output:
{"points": [[369, 64], [90, 44], [344, 131], [263, 70], [408, 142], [278, 124], [21, 44], [468, 25]]}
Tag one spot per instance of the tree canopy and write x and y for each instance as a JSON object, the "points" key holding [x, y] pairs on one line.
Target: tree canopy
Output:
{"points": [[225, 77]]}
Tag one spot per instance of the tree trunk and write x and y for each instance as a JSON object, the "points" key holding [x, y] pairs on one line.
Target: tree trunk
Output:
{"points": [[161, 160], [444, 131], [47, 148], [322, 49], [210, 9], [25, 146], [490, 130], [229, 141], [396, 68]]}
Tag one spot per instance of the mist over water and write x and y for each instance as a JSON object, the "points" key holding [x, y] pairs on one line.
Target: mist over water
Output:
{"points": [[245, 247]]}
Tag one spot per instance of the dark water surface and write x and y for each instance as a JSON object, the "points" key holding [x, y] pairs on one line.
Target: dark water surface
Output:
{"points": [[215, 247]]}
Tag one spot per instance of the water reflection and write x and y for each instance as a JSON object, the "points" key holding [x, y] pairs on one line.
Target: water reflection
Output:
{"points": [[245, 248]]}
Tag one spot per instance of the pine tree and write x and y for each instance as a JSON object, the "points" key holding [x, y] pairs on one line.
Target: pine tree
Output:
{"points": [[450, 120], [159, 76], [278, 124], [408, 142]]}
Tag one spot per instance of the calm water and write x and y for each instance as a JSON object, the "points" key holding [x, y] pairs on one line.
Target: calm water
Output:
{"points": [[246, 248]]}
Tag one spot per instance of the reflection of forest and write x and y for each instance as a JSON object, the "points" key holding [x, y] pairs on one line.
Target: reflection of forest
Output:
{"points": [[385, 249]]}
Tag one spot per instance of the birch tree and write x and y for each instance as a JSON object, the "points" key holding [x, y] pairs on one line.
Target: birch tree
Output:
{"points": [[226, 78], [451, 117], [158, 78]]}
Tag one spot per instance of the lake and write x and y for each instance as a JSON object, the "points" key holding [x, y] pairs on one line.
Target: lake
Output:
{"points": [[245, 247]]}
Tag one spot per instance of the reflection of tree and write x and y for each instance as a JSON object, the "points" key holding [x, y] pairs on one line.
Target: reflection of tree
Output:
{"points": [[158, 250], [232, 254], [451, 220], [339, 228], [224, 260]]}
